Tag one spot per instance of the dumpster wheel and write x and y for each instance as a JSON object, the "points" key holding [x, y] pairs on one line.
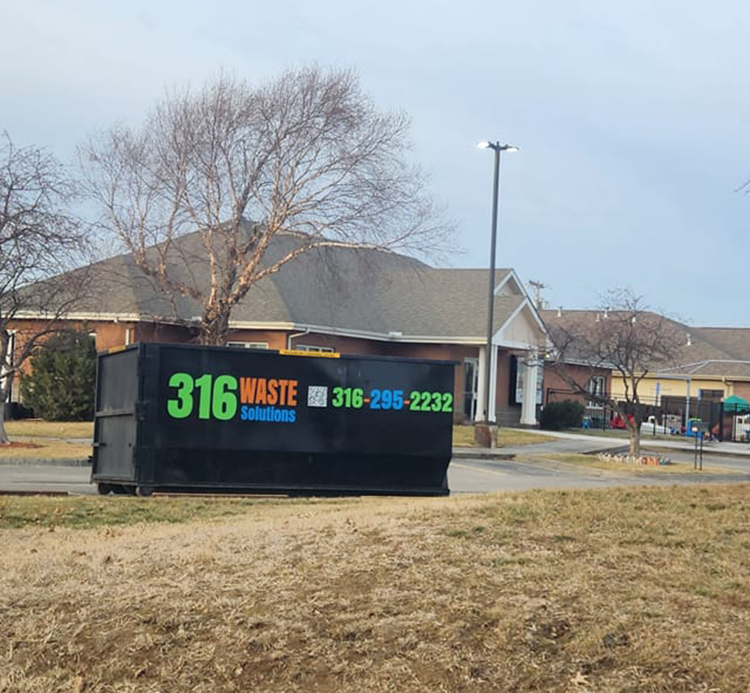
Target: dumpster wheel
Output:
{"points": [[104, 489], [144, 491]]}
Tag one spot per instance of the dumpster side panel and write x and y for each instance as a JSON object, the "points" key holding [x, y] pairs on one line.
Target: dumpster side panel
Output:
{"points": [[186, 417], [115, 423], [265, 421]]}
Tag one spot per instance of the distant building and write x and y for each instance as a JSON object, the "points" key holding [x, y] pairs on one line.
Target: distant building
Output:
{"points": [[713, 365]]}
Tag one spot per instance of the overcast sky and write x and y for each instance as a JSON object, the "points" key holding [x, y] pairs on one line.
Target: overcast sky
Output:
{"points": [[633, 116]]}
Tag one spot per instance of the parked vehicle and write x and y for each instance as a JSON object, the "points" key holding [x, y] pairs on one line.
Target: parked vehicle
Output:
{"points": [[742, 428], [652, 427]]}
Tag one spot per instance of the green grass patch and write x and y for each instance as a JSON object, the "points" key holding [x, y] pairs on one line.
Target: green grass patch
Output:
{"points": [[87, 512]]}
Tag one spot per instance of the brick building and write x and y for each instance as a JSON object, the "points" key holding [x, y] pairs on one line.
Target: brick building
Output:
{"points": [[365, 302]]}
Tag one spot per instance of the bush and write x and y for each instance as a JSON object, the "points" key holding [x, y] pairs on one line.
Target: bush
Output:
{"points": [[61, 384], [559, 415]]}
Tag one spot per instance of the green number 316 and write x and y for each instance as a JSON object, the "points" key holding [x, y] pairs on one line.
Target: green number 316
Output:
{"points": [[216, 397]]}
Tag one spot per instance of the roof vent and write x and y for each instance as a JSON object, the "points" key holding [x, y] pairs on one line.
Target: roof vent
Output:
{"points": [[606, 312], [559, 312], [689, 340]]}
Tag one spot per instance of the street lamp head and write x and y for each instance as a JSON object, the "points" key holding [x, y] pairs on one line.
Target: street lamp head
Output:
{"points": [[498, 147]]}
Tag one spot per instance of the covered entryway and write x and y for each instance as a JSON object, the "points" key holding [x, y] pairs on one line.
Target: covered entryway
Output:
{"points": [[516, 366]]}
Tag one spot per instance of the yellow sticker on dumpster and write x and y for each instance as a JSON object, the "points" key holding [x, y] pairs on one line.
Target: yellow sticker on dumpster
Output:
{"points": [[323, 354]]}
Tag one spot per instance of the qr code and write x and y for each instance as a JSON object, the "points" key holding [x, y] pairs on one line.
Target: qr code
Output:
{"points": [[317, 396]]}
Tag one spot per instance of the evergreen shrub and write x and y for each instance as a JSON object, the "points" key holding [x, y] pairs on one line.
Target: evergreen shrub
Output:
{"points": [[60, 386], [558, 415]]}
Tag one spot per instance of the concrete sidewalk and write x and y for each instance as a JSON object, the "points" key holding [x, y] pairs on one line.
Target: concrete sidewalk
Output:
{"points": [[680, 443], [564, 444], [582, 443]]}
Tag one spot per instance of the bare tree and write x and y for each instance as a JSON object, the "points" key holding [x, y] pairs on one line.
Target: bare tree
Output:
{"points": [[307, 156], [38, 241], [623, 337]]}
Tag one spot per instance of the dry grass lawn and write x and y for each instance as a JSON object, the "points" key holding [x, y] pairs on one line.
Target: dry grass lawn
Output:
{"points": [[46, 449], [47, 440], [607, 590], [36, 428], [463, 436], [593, 462], [86, 512]]}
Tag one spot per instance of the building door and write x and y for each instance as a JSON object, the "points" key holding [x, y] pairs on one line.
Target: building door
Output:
{"points": [[471, 375]]}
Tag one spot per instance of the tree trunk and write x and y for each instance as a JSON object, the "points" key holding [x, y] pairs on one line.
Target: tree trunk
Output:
{"points": [[634, 432], [6, 377], [4, 440], [214, 329]]}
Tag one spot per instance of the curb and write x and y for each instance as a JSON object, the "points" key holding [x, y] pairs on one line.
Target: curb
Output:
{"points": [[558, 466], [599, 451], [43, 462], [481, 454]]}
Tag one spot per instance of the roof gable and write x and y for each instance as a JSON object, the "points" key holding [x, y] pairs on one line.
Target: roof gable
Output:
{"points": [[522, 327]]}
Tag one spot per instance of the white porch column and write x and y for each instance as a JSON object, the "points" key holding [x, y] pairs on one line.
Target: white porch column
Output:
{"points": [[493, 385], [528, 406], [481, 377]]}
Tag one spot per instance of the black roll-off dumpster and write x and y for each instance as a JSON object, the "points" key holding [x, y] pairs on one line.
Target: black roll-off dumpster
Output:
{"points": [[178, 417]]}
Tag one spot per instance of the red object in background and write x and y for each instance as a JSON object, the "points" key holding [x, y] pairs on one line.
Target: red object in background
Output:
{"points": [[617, 421]]}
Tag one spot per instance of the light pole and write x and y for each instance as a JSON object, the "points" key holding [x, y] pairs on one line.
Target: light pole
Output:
{"points": [[497, 147]]}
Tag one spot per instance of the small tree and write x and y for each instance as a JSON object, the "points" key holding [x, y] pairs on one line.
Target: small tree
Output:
{"points": [[307, 155], [38, 240], [624, 337], [61, 384]]}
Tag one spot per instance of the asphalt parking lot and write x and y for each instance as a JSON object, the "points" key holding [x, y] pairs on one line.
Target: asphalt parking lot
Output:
{"points": [[470, 471], [465, 475]]}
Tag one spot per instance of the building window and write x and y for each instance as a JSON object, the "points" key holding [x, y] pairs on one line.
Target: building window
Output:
{"points": [[471, 373], [522, 371], [248, 345], [314, 349], [596, 387], [711, 395]]}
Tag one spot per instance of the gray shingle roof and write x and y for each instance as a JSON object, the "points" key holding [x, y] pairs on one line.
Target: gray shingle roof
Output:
{"points": [[357, 290], [733, 341], [714, 351], [717, 368]]}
